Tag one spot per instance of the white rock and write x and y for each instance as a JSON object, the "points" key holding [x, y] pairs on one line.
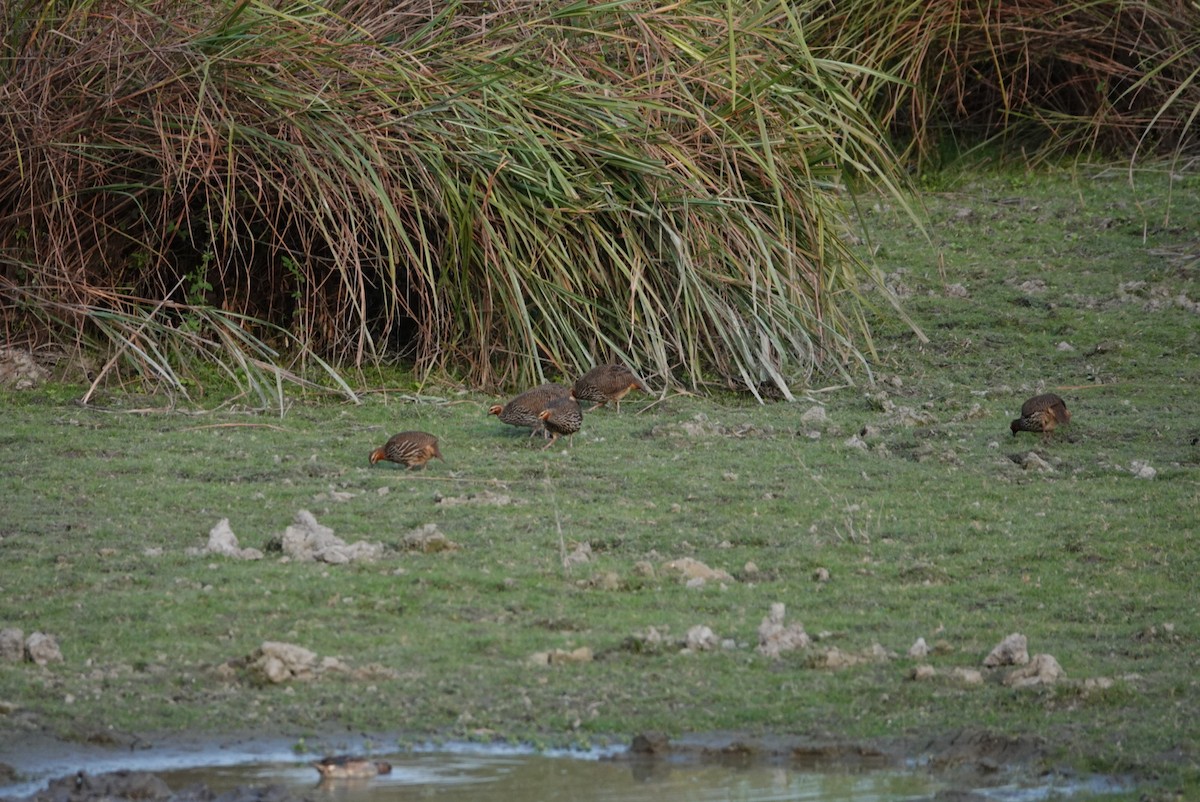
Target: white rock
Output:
{"points": [[579, 555], [967, 676], [919, 649], [41, 648], [1043, 669], [774, 638], [222, 541], [814, 415], [1011, 651], [306, 540], [1142, 470], [12, 645], [692, 569], [701, 639], [283, 662], [922, 673]]}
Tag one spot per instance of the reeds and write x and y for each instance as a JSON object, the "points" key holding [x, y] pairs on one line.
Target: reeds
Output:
{"points": [[498, 191], [1049, 78]]}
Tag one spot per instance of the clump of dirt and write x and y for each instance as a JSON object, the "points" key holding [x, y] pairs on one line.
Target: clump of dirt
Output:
{"points": [[19, 370], [140, 786]]}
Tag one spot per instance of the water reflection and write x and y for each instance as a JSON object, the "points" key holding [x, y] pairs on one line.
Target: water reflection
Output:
{"points": [[500, 774], [506, 778]]}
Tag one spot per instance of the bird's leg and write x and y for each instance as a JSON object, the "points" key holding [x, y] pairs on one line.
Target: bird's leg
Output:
{"points": [[553, 437]]}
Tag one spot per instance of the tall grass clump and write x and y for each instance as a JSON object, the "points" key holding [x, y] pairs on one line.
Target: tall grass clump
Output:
{"points": [[1053, 77], [495, 191]]}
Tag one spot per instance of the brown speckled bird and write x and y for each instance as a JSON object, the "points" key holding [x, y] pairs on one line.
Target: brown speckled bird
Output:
{"points": [[411, 449], [345, 766], [524, 410], [561, 416], [1042, 413], [606, 383]]}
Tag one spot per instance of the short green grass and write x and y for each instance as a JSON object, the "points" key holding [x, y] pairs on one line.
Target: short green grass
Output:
{"points": [[934, 530]]}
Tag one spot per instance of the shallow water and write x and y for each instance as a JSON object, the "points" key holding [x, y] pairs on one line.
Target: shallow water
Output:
{"points": [[501, 774], [508, 778]]}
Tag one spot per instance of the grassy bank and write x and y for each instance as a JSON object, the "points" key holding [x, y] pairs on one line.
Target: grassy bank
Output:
{"points": [[1073, 282]]}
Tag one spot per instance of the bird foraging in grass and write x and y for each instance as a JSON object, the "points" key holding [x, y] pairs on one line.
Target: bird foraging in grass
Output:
{"points": [[606, 383], [1042, 413], [562, 416], [345, 766], [411, 449], [525, 409]]}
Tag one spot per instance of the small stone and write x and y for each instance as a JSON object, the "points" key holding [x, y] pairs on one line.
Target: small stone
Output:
{"points": [[643, 568], [1065, 346], [922, 673], [1033, 462], [580, 554], [1011, 651], [814, 415], [967, 676], [919, 649], [12, 645], [692, 569], [1043, 669], [1142, 470], [750, 568], [283, 662], [608, 580], [854, 441], [428, 539], [307, 540], [701, 639], [774, 638], [222, 541], [560, 656], [41, 648], [956, 291], [821, 575]]}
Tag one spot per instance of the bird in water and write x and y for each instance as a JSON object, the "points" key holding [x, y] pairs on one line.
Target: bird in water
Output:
{"points": [[562, 416], [411, 449], [606, 383], [346, 766], [526, 408], [1042, 413]]}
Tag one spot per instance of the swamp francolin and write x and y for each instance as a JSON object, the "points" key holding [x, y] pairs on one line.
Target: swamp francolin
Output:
{"points": [[346, 766], [411, 449], [1042, 413], [525, 409], [561, 416], [606, 383]]}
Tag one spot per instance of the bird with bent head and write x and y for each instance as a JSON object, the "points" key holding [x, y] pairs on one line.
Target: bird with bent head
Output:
{"points": [[1042, 413], [410, 449]]}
